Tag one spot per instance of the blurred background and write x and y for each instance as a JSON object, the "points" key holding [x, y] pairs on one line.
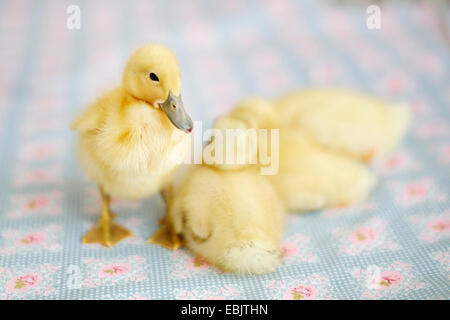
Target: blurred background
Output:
{"points": [[227, 50]]}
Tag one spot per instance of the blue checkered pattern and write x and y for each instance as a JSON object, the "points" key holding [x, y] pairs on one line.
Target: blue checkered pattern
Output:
{"points": [[396, 245]]}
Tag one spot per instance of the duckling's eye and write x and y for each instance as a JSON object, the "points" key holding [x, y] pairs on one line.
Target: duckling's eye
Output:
{"points": [[154, 77]]}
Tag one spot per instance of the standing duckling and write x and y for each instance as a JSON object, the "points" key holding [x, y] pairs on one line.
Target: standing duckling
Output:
{"points": [[133, 138]]}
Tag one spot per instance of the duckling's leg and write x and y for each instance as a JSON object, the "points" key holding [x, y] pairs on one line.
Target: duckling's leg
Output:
{"points": [[166, 236], [106, 231]]}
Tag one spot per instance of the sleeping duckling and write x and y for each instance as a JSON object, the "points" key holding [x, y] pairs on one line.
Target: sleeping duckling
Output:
{"points": [[233, 219], [228, 213], [345, 121], [251, 114], [232, 216], [310, 176], [133, 138]]}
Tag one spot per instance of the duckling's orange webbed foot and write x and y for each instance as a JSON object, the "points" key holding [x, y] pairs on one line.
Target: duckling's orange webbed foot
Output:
{"points": [[166, 237], [106, 231], [108, 238]]}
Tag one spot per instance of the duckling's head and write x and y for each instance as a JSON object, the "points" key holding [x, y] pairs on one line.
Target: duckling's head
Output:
{"points": [[152, 74]]}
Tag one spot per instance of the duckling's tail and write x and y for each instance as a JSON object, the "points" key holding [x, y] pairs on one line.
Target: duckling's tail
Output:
{"points": [[252, 258]]}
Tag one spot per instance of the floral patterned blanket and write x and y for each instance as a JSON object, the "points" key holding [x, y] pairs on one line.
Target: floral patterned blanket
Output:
{"points": [[396, 245]]}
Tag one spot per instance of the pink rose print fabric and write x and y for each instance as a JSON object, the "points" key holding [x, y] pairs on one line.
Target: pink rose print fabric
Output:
{"points": [[139, 237], [186, 265], [395, 245], [398, 162], [96, 272], [431, 227], [310, 287], [16, 241], [416, 192], [370, 236], [35, 204], [296, 249], [393, 281], [28, 282]]}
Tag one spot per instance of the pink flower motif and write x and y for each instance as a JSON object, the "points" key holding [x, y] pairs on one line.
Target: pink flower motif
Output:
{"points": [[196, 263], [413, 192], [363, 236], [417, 191], [300, 292], [400, 161], [394, 161], [23, 282], [395, 83], [114, 269], [32, 238], [288, 250], [388, 280], [439, 225], [36, 203]]}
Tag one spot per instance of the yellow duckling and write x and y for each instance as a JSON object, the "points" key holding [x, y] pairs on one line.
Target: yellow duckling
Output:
{"points": [[228, 213], [252, 113], [133, 138], [310, 176], [346, 121], [232, 216], [233, 219]]}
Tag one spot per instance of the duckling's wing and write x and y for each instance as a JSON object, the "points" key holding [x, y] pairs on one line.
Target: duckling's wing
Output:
{"points": [[346, 121], [92, 118]]}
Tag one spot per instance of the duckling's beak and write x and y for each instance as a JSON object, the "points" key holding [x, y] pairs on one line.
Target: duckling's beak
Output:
{"points": [[174, 109]]}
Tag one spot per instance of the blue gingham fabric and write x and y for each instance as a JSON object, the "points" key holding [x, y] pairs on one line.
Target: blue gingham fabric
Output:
{"points": [[394, 246]]}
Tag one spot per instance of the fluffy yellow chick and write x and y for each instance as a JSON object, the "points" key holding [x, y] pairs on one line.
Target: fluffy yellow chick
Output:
{"points": [[252, 113], [231, 218], [231, 215], [133, 138], [346, 121], [312, 177], [228, 214]]}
